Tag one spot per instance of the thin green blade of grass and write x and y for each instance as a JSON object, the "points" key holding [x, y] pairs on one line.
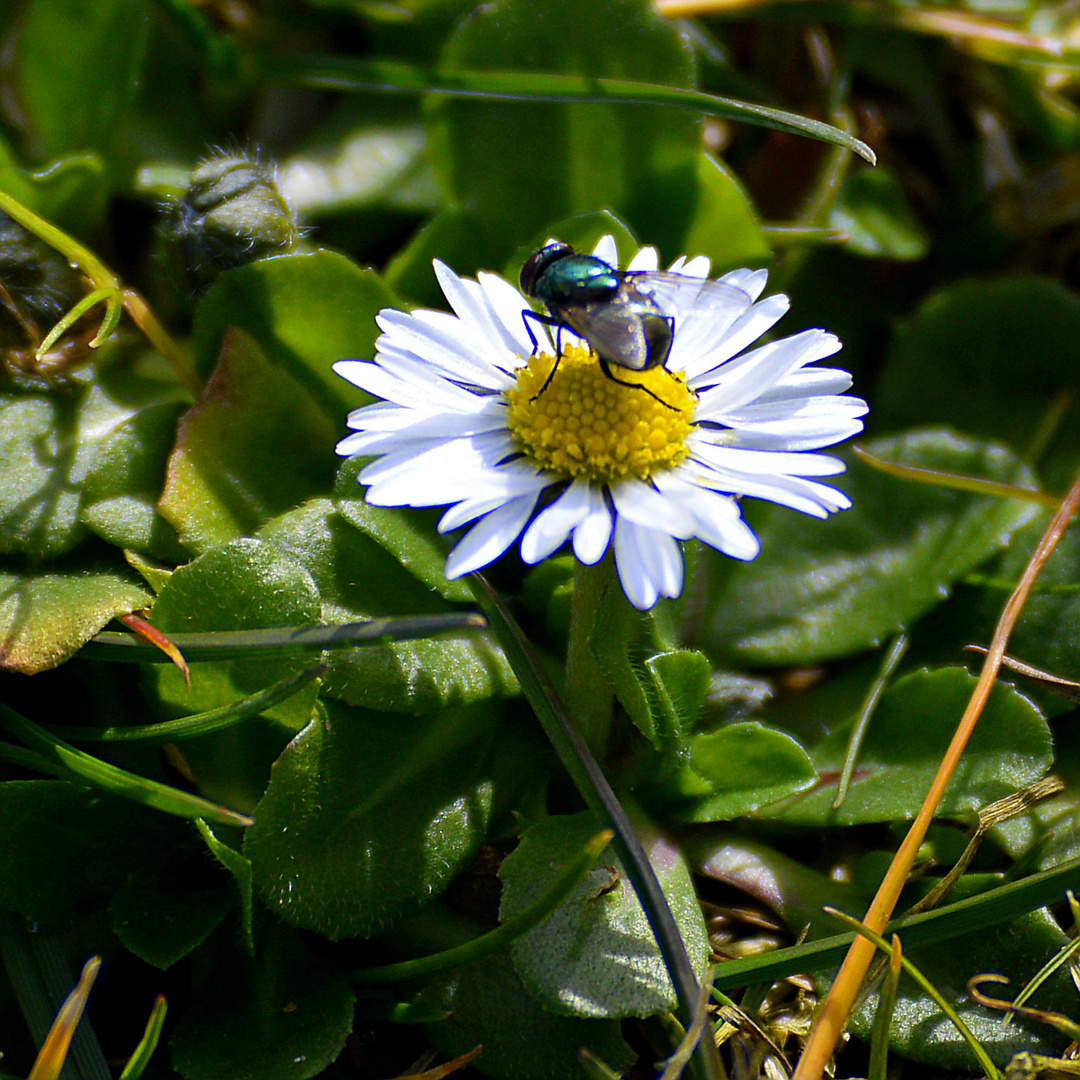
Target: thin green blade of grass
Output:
{"points": [[99, 774], [929, 989], [191, 727], [966, 916], [136, 1064], [879, 1035], [394, 77], [276, 640]]}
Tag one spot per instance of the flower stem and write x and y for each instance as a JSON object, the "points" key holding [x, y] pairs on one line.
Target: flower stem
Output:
{"points": [[589, 697]]}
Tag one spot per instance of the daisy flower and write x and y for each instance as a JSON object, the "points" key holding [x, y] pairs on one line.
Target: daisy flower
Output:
{"points": [[472, 418]]}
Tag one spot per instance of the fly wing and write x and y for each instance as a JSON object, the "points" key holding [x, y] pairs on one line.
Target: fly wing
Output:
{"points": [[678, 294], [615, 332]]}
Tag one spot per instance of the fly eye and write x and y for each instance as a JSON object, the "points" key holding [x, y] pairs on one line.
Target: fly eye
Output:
{"points": [[529, 272], [538, 262]]}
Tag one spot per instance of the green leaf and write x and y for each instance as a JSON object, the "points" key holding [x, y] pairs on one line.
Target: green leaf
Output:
{"points": [[447, 236], [683, 679], [920, 1031], [369, 153], [595, 955], [357, 577], [69, 192], [368, 816], [517, 168], [821, 590], [243, 585], [1047, 633], [619, 639], [92, 456], [408, 535], [133, 416], [488, 1006], [278, 302], [163, 916], [734, 771], [915, 719], [255, 444], [49, 611], [795, 891], [873, 211], [422, 676], [283, 1016], [1017, 945], [75, 69], [724, 225], [65, 849], [240, 869], [1008, 344]]}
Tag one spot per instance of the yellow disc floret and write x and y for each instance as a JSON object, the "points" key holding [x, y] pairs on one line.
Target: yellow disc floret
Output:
{"points": [[587, 426]]}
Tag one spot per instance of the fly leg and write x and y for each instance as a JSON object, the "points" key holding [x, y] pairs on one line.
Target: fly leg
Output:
{"points": [[544, 320], [605, 367]]}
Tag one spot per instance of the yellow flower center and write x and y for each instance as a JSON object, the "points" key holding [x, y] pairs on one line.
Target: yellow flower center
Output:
{"points": [[587, 426]]}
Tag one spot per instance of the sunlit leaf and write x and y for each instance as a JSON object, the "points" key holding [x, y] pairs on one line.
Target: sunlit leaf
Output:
{"points": [[254, 445], [595, 955], [820, 590]]}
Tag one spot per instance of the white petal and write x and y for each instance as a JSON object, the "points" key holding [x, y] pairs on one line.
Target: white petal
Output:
{"points": [[649, 563], [645, 506], [797, 433], [743, 379], [606, 250], [806, 496], [634, 575], [667, 562], [470, 300], [486, 414], [704, 312], [647, 259], [469, 510], [445, 344], [490, 538], [744, 331], [446, 472], [553, 525], [767, 462], [750, 281], [508, 305], [808, 381], [696, 267], [717, 520], [592, 536]]}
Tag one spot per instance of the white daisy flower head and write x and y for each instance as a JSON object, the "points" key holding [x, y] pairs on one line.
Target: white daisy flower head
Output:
{"points": [[521, 433]]}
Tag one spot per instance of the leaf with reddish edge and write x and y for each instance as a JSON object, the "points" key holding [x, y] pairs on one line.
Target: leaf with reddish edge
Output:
{"points": [[49, 612], [156, 637]]}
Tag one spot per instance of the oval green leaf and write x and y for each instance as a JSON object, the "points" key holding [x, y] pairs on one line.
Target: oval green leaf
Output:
{"points": [[369, 816], [821, 590], [595, 955], [1010, 748]]}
